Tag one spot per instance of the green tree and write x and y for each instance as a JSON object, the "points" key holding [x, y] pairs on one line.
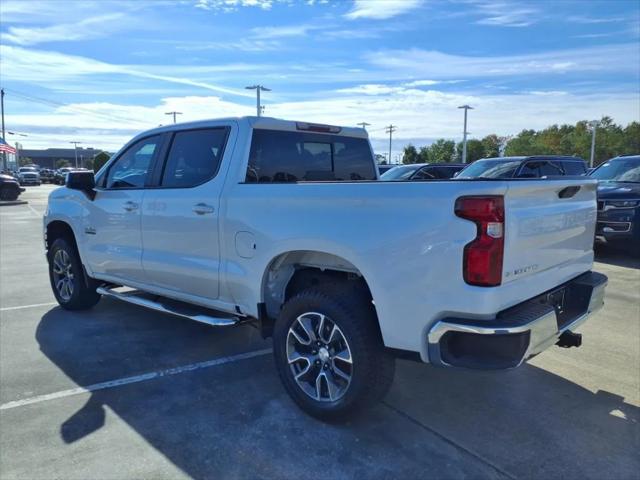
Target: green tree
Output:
{"points": [[475, 150], [442, 151], [24, 161], [62, 163], [491, 144], [409, 154], [631, 140], [424, 155], [99, 160]]}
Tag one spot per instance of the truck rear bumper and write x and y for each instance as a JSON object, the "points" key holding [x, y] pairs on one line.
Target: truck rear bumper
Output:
{"points": [[519, 332]]}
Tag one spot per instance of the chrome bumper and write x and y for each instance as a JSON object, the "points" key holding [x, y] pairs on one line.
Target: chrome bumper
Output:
{"points": [[517, 333]]}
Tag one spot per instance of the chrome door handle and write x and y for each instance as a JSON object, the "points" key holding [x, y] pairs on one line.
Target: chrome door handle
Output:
{"points": [[202, 208], [130, 206]]}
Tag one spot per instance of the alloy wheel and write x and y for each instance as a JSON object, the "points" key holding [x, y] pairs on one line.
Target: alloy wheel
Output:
{"points": [[319, 357], [63, 274]]}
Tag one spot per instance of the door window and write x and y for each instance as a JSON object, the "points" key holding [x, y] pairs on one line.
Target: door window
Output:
{"points": [[130, 170], [194, 157]]}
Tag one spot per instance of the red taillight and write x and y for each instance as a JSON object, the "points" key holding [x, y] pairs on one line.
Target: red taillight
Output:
{"points": [[482, 264]]}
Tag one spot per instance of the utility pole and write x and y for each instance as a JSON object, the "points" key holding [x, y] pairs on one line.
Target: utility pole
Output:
{"points": [[364, 125], [4, 154], [390, 129], [174, 115], [258, 89], [75, 151], [465, 133], [594, 126]]}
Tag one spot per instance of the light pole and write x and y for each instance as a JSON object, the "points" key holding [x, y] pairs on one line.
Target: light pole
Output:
{"points": [[464, 133], [594, 126], [75, 151], [258, 89], [174, 115], [364, 125]]}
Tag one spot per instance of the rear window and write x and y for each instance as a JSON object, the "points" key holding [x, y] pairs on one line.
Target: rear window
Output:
{"points": [[280, 156]]}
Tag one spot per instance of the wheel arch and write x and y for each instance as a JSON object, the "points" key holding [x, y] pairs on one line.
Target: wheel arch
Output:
{"points": [[291, 272], [59, 229]]}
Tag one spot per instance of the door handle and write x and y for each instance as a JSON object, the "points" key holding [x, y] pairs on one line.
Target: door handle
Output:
{"points": [[203, 209], [130, 206]]}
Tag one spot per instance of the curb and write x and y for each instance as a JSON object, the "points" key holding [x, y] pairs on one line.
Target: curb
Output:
{"points": [[8, 203]]}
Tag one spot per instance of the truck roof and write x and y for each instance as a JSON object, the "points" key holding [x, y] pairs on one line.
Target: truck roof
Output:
{"points": [[267, 123]]}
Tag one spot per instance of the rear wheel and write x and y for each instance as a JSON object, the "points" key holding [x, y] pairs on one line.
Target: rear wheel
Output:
{"points": [[71, 289], [9, 193], [329, 353]]}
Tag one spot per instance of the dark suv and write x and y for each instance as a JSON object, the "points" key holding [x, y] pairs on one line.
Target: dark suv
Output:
{"points": [[619, 202], [422, 171], [525, 167]]}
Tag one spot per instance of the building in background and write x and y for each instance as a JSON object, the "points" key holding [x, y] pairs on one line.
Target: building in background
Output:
{"points": [[49, 157]]}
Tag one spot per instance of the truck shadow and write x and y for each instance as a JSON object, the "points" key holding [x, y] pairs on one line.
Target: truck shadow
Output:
{"points": [[236, 421], [616, 256]]}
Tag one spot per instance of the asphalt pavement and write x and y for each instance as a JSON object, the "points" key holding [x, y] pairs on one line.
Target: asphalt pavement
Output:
{"points": [[120, 392]]}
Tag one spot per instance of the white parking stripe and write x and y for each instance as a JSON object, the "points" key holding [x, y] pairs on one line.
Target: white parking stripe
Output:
{"points": [[7, 309], [135, 379]]}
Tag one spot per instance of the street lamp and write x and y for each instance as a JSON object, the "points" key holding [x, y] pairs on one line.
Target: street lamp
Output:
{"points": [[258, 89], [464, 133], [594, 126]]}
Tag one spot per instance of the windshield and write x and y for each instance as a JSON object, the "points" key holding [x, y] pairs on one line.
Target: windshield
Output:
{"points": [[490, 169], [618, 170], [28, 169], [399, 173]]}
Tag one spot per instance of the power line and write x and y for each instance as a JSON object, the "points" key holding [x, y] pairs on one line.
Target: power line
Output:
{"points": [[390, 129], [364, 125], [77, 109]]}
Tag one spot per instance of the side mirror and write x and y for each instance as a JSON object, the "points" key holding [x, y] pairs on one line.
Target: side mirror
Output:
{"points": [[83, 181]]}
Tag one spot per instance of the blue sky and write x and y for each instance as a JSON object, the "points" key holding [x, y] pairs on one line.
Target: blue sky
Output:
{"points": [[99, 72]]}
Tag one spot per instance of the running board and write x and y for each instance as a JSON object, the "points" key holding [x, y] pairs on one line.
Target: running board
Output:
{"points": [[174, 307]]}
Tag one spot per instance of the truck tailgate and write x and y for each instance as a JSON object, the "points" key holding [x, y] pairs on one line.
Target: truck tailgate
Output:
{"points": [[548, 224]]}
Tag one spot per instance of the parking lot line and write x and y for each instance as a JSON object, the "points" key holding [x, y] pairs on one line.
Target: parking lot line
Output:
{"points": [[33, 305], [134, 379]]}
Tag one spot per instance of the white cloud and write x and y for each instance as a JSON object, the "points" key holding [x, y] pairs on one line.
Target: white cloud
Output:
{"points": [[370, 89], [47, 68], [282, 31], [504, 14], [232, 5], [433, 64], [92, 27], [428, 83], [381, 9]]}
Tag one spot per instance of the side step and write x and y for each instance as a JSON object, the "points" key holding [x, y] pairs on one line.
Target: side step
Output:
{"points": [[167, 305]]}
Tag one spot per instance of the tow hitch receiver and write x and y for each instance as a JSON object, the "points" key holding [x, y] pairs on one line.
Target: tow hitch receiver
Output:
{"points": [[569, 339]]}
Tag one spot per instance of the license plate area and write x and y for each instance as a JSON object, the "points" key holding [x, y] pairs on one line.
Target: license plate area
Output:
{"points": [[569, 302]]}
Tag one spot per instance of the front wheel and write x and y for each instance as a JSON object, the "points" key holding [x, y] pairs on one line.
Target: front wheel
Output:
{"points": [[329, 353], [67, 278]]}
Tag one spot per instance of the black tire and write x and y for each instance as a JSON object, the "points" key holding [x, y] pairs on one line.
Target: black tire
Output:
{"points": [[372, 368], [9, 193], [82, 294]]}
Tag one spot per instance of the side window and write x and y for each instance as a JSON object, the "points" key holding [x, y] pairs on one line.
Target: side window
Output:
{"points": [[425, 173], [575, 168], [131, 169], [530, 170], [550, 168], [283, 156], [194, 157]]}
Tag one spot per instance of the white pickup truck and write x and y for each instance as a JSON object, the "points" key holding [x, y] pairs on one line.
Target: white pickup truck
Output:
{"points": [[285, 224]]}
